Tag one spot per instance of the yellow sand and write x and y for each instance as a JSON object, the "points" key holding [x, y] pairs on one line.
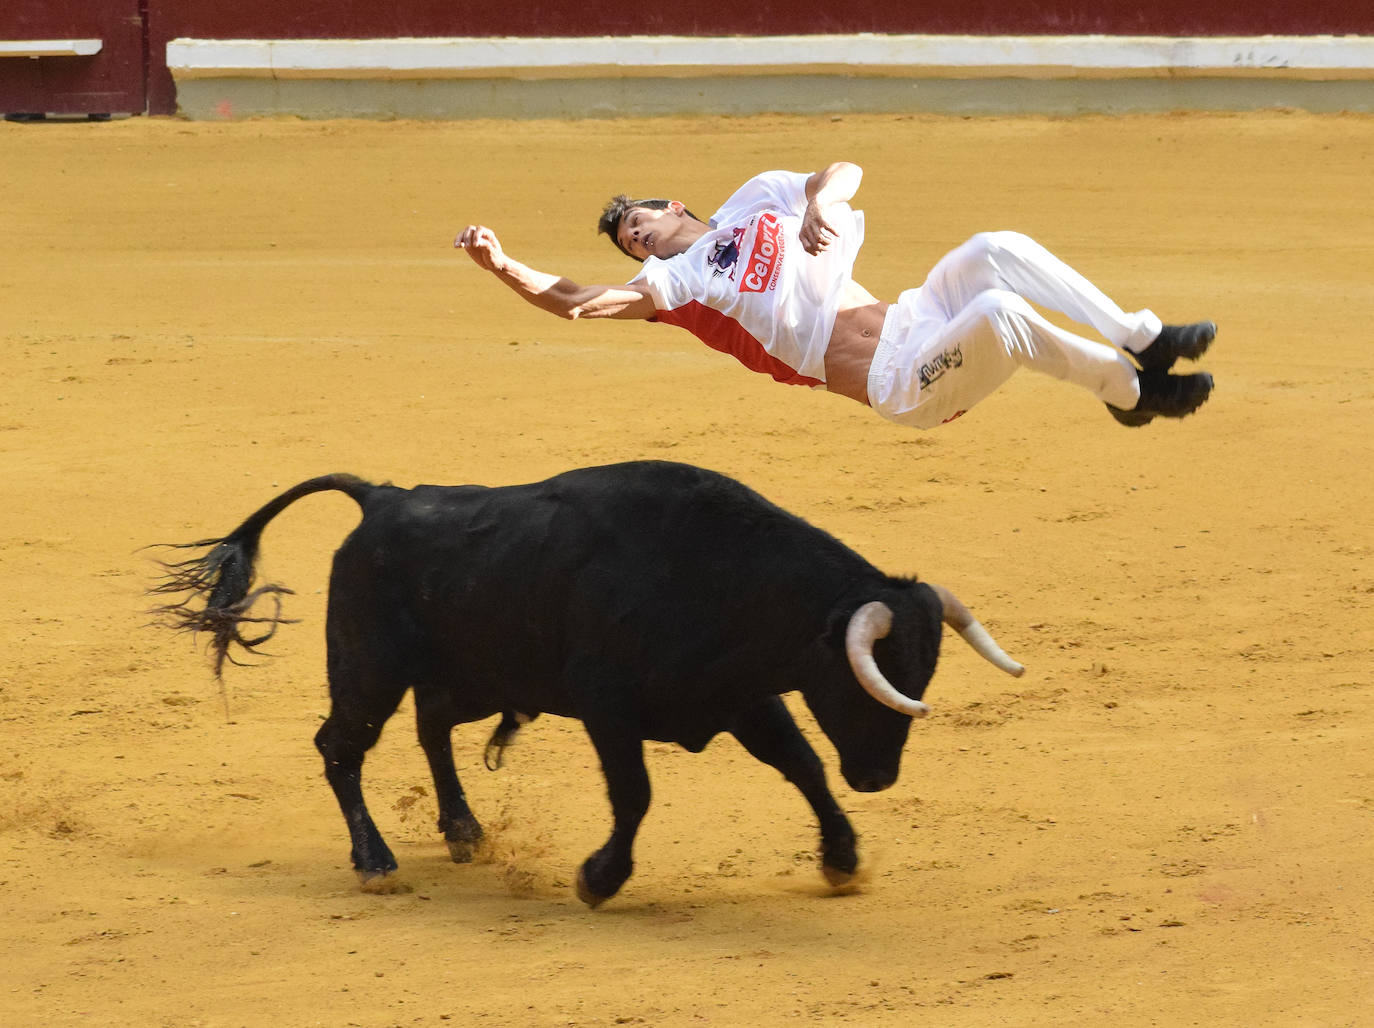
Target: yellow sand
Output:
{"points": [[1167, 821]]}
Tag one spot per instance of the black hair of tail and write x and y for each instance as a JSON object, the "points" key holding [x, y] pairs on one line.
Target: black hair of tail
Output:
{"points": [[223, 579]]}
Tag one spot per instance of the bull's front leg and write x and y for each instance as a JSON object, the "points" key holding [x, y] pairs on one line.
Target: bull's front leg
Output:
{"points": [[627, 785], [769, 733]]}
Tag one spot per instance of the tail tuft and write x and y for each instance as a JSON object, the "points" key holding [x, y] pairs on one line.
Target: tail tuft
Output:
{"points": [[223, 577]]}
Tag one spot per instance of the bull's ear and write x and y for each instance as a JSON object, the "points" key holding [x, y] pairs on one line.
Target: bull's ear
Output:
{"points": [[835, 627], [898, 598]]}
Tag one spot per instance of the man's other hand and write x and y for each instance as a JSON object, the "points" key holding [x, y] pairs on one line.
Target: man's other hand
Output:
{"points": [[482, 246]]}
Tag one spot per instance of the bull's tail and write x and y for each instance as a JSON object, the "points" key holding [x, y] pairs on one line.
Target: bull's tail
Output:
{"points": [[223, 576]]}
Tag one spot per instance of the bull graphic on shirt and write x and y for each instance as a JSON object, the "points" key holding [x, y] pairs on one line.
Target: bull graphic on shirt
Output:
{"points": [[723, 260]]}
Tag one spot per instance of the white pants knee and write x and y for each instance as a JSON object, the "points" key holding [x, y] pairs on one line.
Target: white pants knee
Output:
{"points": [[950, 343]]}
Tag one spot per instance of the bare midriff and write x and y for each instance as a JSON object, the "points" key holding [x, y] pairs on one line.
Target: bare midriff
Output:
{"points": [[853, 341]]}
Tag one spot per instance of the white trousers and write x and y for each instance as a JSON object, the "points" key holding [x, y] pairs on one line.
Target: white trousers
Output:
{"points": [[950, 343]]}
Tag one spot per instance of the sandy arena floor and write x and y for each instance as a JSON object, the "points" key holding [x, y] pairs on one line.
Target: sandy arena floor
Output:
{"points": [[1168, 821]]}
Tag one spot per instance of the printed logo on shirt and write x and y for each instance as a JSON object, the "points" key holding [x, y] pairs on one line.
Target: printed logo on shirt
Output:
{"points": [[726, 255], [934, 369], [761, 270]]}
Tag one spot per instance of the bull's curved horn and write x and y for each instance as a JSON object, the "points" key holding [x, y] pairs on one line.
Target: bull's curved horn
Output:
{"points": [[871, 622], [958, 617]]}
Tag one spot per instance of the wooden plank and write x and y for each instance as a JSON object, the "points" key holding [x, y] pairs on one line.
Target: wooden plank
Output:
{"points": [[50, 47]]}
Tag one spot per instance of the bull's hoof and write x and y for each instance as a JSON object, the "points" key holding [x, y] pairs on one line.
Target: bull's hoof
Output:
{"points": [[601, 876], [461, 851], [836, 877], [463, 838], [839, 861], [585, 894], [382, 883]]}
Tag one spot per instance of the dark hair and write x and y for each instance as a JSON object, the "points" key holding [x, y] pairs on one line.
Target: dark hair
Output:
{"points": [[621, 205]]}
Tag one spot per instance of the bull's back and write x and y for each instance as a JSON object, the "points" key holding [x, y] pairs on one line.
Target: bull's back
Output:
{"points": [[653, 570]]}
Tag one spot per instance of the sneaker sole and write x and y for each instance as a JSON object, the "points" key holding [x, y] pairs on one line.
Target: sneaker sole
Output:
{"points": [[1199, 345], [1189, 351], [1130, 418], [1199, 393]]}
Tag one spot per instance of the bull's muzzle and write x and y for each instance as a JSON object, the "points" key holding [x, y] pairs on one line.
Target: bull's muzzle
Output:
{"points": [[873, 781]]}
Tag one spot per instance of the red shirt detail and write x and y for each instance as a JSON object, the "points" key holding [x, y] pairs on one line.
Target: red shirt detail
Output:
{"points": [[723, 333]]}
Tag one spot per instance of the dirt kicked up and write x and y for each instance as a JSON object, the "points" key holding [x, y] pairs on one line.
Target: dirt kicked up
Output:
{"points": [[1168, 820]]}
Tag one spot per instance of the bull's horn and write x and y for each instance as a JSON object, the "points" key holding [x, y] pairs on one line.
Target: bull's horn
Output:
{"points": [[871, 622], [958, 617]]}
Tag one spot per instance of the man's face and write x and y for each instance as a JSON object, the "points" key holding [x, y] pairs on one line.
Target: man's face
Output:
{"points": [[658, 233]]}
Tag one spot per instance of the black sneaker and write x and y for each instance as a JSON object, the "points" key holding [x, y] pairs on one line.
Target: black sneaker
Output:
{"points": [[1174, 341], [1165, 395], [1130, 418]]}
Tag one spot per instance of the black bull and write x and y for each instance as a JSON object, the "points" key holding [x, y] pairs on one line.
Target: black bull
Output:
{"points": [[648, 600]]}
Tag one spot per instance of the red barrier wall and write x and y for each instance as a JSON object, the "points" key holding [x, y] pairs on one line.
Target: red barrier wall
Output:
{"points": [[114, 80], [119, 71], [367, 18]]}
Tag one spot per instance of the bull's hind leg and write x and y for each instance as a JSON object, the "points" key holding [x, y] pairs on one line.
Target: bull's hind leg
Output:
{"points": [[434, 721], [769, 733], [354, 724]]}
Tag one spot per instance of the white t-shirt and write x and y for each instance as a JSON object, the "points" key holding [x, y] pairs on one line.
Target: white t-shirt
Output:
{"points": [[747, 288]]}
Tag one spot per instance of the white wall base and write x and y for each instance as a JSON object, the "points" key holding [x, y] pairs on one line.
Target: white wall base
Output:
{"points": [[642, 76]]}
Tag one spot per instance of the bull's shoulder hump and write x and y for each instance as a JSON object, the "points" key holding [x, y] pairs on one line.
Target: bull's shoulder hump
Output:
{"points": [[644, 472], [667, 479]]}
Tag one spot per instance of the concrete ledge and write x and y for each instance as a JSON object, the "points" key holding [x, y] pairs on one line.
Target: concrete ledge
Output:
{"points": [[650, 75], [1309, 57], [49, 47], [747, 95]]}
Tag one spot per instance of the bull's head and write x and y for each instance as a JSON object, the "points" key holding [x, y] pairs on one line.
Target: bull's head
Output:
{"points": [[892, 648]]}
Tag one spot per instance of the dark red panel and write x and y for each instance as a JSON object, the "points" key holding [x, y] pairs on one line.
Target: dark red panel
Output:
{"points": [[331, 18], [109, 82]]}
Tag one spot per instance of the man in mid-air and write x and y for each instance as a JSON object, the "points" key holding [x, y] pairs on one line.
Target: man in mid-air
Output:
{"points": [[769, 280]]}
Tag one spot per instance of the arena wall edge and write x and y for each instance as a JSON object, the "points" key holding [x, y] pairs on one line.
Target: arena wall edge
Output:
{"points": [[121, 65], [661, 75]]}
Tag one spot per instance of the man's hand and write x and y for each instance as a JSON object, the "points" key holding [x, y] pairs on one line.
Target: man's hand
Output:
{"points": [[836, 183], [816, 232], [482, 246]]}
